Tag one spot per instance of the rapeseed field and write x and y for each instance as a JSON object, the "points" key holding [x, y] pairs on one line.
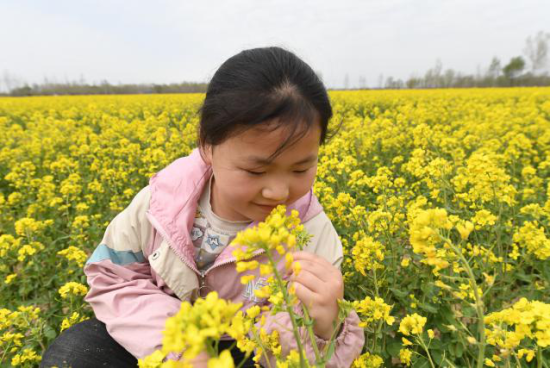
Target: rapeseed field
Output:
{"points": [[441, 199]]}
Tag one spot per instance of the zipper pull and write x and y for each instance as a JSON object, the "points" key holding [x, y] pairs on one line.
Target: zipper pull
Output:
{"points": [[202, 283]]}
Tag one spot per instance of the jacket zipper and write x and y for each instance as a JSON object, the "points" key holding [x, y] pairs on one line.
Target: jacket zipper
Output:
{"points": [[201, 274], [231, 260], [160, 229]]}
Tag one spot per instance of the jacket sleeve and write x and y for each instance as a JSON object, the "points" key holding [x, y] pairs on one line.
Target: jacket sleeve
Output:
{"points": [[351, 338], [122, 291]]}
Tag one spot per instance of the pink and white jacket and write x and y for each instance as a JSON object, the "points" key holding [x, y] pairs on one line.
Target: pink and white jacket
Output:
{"points": [[144, 267]]}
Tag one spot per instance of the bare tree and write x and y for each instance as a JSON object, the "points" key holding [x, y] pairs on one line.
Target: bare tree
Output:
{"points": [[362, 82], [381, 81], [536, 50], [11, 81], [494, 68]]}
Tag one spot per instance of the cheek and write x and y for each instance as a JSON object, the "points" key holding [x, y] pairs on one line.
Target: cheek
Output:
{"points": [[238, 187], [302, 185]]}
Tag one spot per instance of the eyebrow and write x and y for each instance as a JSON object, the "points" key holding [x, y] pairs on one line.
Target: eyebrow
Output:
{"points": [[263, 161]]}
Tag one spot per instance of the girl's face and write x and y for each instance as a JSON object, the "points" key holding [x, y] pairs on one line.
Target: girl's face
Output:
{"points": [[246, 187]]}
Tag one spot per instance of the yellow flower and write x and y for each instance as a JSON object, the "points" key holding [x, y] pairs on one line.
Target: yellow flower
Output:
{"points": [[225, 360], [28, 356], [405, 356], [246, 279], [528, 353], [529, 319], [253, 312], [533, 238], [412, 325], [372, 310], [465, 229], [288, 260], [10, 278], [367, 254], [72, 288], [72, 320], [368, 360], [75, 254], [296, 268]]}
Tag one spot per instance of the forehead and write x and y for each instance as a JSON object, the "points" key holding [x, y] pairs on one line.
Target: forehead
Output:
{"points": [[257, 144]]}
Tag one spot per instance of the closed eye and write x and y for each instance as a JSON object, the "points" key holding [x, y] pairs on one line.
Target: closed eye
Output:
{"points": [[300, 171], [255, 173]]}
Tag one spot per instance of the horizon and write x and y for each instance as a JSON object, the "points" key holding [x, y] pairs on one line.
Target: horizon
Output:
{"points": [[91, 42]]}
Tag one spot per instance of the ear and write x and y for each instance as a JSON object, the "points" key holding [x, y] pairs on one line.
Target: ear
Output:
{"points": [[206, 154]]}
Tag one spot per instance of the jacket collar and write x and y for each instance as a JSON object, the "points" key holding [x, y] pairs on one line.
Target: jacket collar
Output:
{"points": [[175, 193]]}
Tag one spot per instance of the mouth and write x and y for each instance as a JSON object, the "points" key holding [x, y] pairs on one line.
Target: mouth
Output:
{"points": [[267, 208]]}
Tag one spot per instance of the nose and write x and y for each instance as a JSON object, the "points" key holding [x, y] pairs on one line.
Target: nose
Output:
{"points": [[276, 191]]}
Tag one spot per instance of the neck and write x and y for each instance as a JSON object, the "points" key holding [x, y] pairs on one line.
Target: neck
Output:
{"points": [[217, 205]]}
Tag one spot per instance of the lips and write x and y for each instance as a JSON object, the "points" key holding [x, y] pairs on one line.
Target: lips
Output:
{"points": [[266, 207]]}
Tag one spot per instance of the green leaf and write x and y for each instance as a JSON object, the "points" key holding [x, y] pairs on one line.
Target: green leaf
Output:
{"points": [[430, 308], [49, 332], [524, 277], [437, 356], [393, 348], [422, 362], [399, 293]]}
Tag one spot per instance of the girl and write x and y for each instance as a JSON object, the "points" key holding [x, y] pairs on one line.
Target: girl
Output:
{"points": [[264, 116]]}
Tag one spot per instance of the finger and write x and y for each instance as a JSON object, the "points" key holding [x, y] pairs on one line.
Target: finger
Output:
{"points": [[311, 267], [323, 271], [306, 296], [309, 280], [301, 255]]}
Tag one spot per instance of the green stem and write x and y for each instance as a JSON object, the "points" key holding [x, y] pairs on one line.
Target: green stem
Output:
{"points": [[517, 360], [375, 281], [448, 361], [288, 307], [5, 351], [311, 333], [427, 351], [259, 341], [332, 338], [539, 357], [479, 305]]}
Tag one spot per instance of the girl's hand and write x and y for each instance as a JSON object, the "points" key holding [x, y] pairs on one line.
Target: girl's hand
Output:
{"points": [[319, 285]]}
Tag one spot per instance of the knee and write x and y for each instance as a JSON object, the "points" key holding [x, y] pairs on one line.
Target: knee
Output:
{"points": [[72, 345]]}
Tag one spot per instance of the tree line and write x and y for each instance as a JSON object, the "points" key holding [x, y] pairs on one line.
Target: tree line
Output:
{"points": [[530, 69], [48, 88]]}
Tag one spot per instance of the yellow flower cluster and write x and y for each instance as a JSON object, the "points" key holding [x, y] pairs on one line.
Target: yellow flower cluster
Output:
{"points": [[426, 238], [195, 328], [72, 288], [524, 320], [276, 236], [533, 238], [75, 254], [272, 234], [72, 320], [15, 329], [372, 310], [368, 360], [412, 325], [367, 253]]}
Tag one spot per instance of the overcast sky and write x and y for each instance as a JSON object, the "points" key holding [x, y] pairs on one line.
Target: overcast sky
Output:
{"points": [[163, 41]]}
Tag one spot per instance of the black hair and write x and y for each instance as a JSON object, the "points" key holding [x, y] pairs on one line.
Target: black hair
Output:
{"points": [[260, 85]]}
